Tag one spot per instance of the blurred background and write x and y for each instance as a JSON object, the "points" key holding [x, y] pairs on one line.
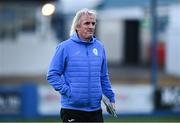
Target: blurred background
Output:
{"points": [[142, 41]]}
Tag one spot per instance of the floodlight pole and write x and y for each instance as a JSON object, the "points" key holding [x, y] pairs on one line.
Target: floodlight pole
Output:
{"points": [[154, 65]]}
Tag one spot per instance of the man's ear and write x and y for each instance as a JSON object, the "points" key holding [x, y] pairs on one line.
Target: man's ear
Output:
{"points": [[78, 26], [76, 31]]}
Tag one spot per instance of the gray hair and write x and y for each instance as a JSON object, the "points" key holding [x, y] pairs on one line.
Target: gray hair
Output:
{"points": [[77, 17]]}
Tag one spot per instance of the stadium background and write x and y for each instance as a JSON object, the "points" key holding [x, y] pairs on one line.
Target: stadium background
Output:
{"points": [[142, 46]]}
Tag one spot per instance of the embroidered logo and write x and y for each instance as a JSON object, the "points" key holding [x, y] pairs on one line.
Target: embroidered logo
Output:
{"points": [[71, 120], [95, 51]]}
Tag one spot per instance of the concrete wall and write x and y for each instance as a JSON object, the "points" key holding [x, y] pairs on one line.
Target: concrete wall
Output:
{"points": [[30, 53], [111, 34], [111, 30], [173, 42]]}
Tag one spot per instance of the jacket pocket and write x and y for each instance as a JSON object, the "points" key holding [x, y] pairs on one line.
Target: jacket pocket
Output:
{"points": [[96, 99], [68, 94], [78, 99]]}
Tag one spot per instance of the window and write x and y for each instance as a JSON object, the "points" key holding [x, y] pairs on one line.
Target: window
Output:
{"points": [[16, 18]]}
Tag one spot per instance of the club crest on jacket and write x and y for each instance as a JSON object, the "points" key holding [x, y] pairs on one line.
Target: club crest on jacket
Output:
{"points": [[95, 51]]}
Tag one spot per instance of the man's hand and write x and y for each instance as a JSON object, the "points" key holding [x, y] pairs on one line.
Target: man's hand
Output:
{"points": [[114, 106], [110, 107]]}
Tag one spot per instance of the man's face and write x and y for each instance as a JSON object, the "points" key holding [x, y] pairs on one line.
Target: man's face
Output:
{"points": [[86, 27]]}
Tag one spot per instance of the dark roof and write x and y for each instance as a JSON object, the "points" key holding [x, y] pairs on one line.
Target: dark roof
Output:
{"points": [[125, 3], [27, 1]]}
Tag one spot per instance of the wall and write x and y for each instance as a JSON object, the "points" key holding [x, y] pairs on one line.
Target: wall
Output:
{"points": [[111, 34], [111, 30], [30, 52], [173, 42]]}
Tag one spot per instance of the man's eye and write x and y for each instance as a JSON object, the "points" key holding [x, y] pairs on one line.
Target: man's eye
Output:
{"points": [[93, 23], [87, 23]]}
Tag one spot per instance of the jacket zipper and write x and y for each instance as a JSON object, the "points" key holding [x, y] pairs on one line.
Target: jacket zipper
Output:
{"points": [[87, 53]]}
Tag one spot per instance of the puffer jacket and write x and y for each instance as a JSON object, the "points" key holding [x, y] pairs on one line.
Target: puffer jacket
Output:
{"points": [[78, 71]]}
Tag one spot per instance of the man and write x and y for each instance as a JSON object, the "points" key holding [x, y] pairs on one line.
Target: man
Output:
{"points": [[78, 71]]}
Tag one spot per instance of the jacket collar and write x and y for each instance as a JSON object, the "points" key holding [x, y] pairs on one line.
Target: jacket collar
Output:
{"points": [[75, 38]]}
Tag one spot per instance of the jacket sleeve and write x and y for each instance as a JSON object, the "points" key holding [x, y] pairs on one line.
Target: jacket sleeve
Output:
{"points": [[55, 72], [105, 82]]}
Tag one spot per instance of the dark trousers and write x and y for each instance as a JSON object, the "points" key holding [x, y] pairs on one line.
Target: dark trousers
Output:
{"points": [[68, 115]]}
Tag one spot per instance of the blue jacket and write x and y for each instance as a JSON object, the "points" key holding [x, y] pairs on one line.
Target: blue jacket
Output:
{"points": [[78, 71]]}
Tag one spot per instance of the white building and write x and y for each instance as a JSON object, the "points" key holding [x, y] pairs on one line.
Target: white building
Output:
{"points": [[27, 40]]}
